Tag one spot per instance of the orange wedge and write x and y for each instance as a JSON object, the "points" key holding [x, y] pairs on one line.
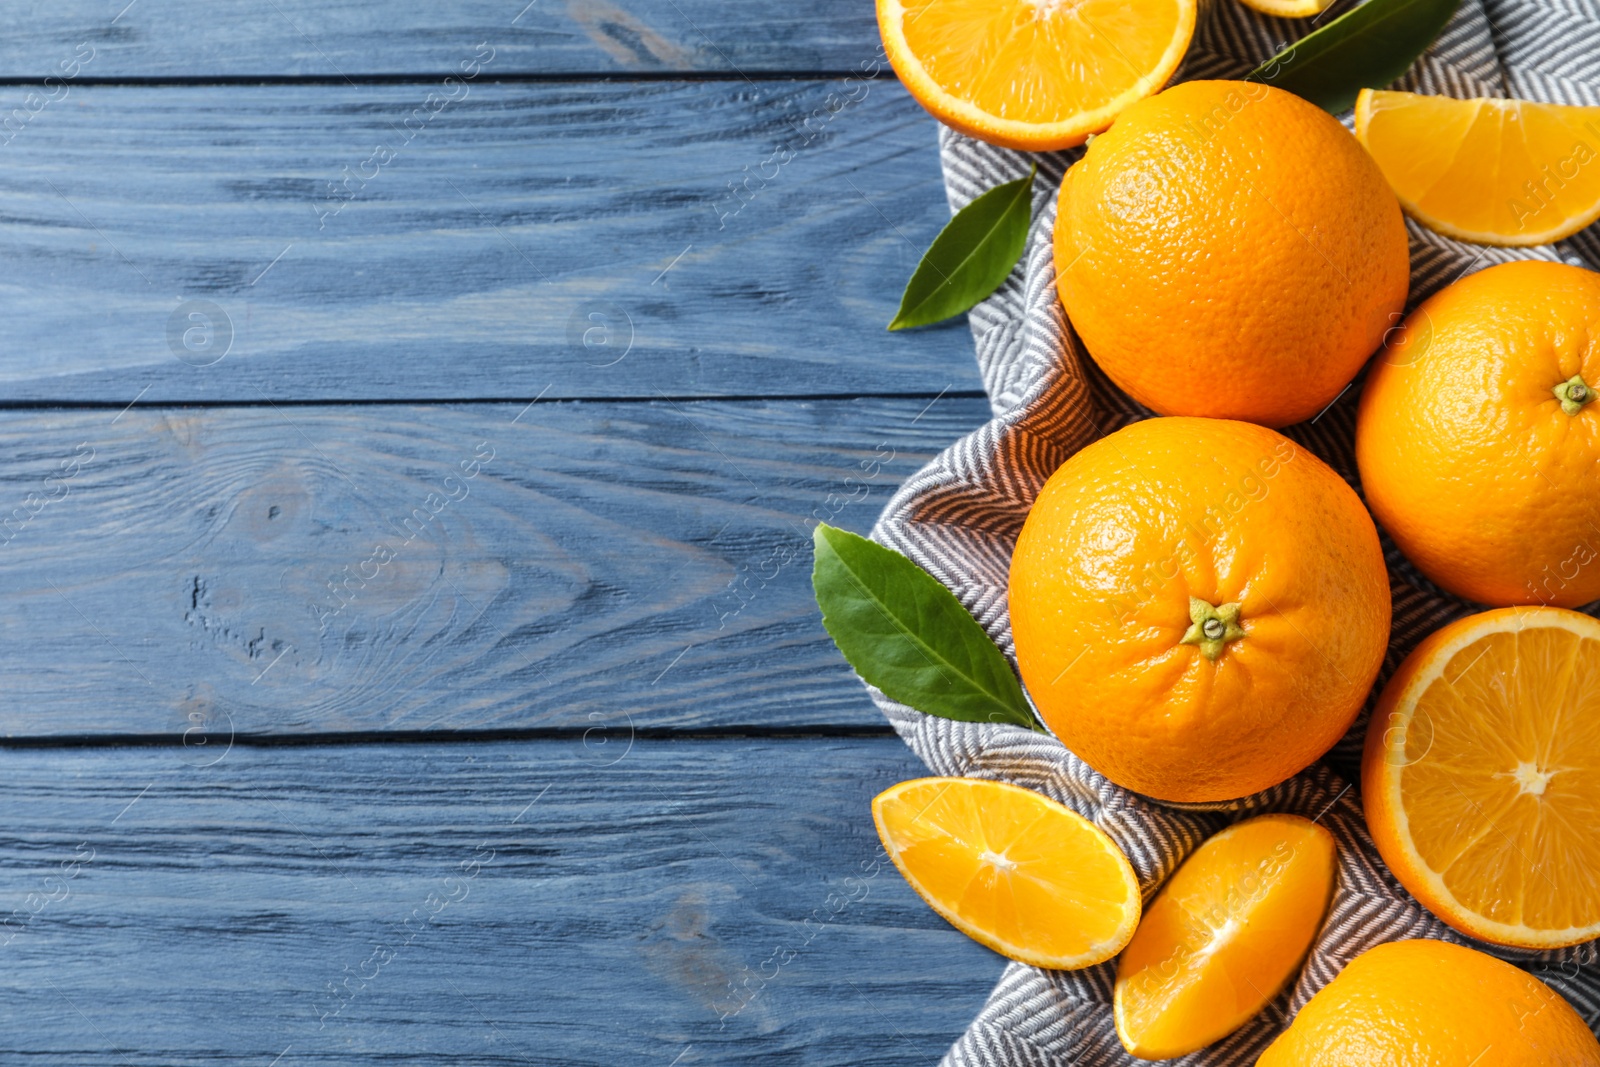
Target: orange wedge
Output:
{"points": [[1289, 9], [1481, 777], [1011, 869], [1033, 74], [1227, 933], [1497, 172]]}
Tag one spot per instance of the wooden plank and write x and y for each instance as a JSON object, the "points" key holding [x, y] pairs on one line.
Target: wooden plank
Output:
{"points": [[221, 243], [292, 570], [347, 38], [719, 902]]}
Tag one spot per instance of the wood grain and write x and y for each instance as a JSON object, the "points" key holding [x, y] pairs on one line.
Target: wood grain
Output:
{"points": [[298, 566], [292, 242], [317, 38], [472, 905], [321, 569]]}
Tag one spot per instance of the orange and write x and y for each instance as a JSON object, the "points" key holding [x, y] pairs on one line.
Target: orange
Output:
{"points": [[1481, 777], [1289, 9], [1499, 172], [1227, 933], [1033, 74], [1434, 1004], [1228, 249], [1478, 439], [1199, 607], [1011, 869]]}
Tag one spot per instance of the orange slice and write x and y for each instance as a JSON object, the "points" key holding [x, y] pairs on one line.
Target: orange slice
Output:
{"points": [[1011, 869], [1481, 776], [1227, 933], [1497, 172], [1033, 74], [1289, 9]]}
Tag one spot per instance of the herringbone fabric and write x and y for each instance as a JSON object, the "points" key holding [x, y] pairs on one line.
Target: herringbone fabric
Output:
{"points": [[959, 518]]}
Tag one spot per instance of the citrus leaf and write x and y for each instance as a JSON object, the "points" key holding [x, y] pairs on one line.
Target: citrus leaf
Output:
{"points": [[908, 635], [971, 256], [1368, 47]]}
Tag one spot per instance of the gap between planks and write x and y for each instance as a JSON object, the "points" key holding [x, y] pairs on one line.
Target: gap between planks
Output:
{"points": [[48, 404], [434, 77], [802, 732]]}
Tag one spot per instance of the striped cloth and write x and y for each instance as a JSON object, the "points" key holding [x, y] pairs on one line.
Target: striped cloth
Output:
{"points": [[959, 517]]}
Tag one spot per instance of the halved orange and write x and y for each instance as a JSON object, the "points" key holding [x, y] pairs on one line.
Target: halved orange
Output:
{"points": [[1497, 172], [1226, 934], [1011, 869], [1033, 74], [1481, 776]]}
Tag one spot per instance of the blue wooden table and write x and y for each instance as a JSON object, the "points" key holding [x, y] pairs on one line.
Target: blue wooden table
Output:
{"points": [[413, 419]]}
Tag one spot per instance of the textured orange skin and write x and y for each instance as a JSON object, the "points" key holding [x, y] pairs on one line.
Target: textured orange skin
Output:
{"points": [[1377, 799], [1132, 526], [1466, 456], [1431, 1004], [1227, 249]]}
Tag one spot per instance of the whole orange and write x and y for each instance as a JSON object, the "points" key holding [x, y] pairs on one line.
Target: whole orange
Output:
{"points": [[1228, 249], [1431, 1004], [1479, 441], [1199, 607]]}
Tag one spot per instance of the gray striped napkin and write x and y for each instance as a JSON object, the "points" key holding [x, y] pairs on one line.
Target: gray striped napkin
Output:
{"points": [[959, 516]]}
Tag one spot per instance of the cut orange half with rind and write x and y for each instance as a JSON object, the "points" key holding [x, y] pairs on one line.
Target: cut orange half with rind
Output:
{"points": [[1036, 75], [1481, 776], [1228, 931], [1011, 869], [1496, 172]]}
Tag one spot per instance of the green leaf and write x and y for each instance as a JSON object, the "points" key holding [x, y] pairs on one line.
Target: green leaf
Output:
{"points": [[905, 633], [1368, 47], [971, 256]]}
